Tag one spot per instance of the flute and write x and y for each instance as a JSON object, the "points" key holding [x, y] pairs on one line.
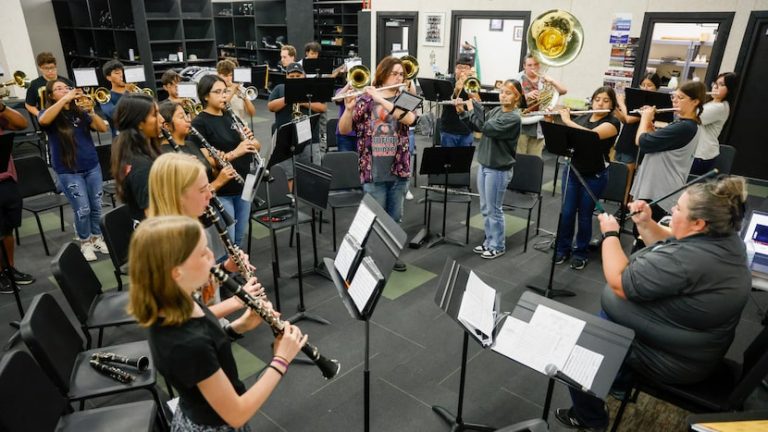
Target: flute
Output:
{"points": [[577, 112], [223, 163], [360, 92], [328, 367], [660, 110]]}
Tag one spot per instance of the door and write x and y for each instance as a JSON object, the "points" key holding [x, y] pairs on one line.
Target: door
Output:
{"points": [[396, 31], [746, 128]]}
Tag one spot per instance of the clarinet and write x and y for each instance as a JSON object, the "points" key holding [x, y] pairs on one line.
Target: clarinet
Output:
{"points": [[240, 126], [210, 217], [328, 367], [141, 363], [215, 154], [115, 373], [171, 141]]}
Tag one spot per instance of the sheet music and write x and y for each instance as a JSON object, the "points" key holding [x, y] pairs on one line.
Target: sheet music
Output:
{"points": [[364, 283], [476, 310], [242, 75], [549, 337], [85, 77], [187, 90], [362, 223], [348, 251], [134, 74], [582, 365], [303, 131]]}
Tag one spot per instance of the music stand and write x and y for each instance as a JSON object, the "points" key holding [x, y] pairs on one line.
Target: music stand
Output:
{"points": [[448, 297], [565, 141], [383, 245], [637, 98], [308, 90], [311, 186], [445, 160], [436, 90], [489, 96], [318, 66]]}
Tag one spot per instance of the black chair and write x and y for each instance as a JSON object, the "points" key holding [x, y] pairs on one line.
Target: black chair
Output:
{"points": [[39, 192], [282, 209], [31, 402], [58, 348], [330, 134], [104, 153], [556, 173], [725, 390], [346, 190], [616, 189], [117, 228], [31, 134], [526, 189], [93, 308], [459, 181], [724, 161]]}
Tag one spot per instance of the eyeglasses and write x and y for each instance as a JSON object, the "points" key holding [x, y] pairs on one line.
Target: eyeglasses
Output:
{"points": [[221, 91], [48, 68]]}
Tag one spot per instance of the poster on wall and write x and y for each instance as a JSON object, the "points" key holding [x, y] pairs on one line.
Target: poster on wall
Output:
{"points": [[435, 29], [620, 25], [621, 65]]}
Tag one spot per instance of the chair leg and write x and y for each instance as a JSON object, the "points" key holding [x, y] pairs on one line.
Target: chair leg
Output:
{"points": [[290, 238], [425, 206], [429, 215], [538, 217], [274, 251], [88, 340], [119, 278], [527, 229], [61, 217], [320, 224], [620, 412], [18, 239], [333, 225], [160, 408], [169, 387], [42, 234], [554, 182], [101, 337], [469, 206]]}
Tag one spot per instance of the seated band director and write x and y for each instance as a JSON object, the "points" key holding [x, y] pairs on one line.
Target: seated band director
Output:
{"points": [[682, 295]]}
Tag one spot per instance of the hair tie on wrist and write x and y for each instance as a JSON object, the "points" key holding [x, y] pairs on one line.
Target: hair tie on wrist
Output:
{"points": [[280, 362], [276, 370]]}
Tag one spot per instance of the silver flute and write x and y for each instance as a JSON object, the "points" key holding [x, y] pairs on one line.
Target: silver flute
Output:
{"points": [[223, 163]]}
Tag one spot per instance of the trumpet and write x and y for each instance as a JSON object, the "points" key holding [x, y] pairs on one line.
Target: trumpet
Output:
{"points": [[133, 88], [100, 94], [250, 93], [19, 79]]}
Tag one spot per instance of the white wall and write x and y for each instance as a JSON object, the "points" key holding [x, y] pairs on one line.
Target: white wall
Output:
{"points": [[16, 53], [493, 66], [585, 73], [43, 33]]}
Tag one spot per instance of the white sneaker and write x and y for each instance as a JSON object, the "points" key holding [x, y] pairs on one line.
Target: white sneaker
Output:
{"points": [[88, 250], [99, 245], [408, 195]]}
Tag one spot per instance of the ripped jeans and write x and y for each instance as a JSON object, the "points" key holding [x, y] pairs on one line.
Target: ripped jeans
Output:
{"points": [[84, 191]]}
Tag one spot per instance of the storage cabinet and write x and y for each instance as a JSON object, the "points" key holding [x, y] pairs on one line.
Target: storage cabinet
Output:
{"points": [[336, 28]]}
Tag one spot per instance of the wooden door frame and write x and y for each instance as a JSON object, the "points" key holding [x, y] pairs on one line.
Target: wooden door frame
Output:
{"points": [[381, 19]]}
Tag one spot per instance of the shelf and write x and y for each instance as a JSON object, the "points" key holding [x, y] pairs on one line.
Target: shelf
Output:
{"points": [[199, 40], [165, 41], [150, 18], [240, 48], [268, 49], [681, 42], [678, 63], [195, 18], [271, 25], [203, 60], [243, 16]]}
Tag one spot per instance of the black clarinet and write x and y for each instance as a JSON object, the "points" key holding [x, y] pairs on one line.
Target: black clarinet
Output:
{"points": [[328, 367], [239, 124], [115, 373], [208, 218], [140, 363], [223, 163], [167, 135]]}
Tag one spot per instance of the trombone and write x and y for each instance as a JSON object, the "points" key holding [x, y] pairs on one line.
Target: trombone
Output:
{"points": [[19, 79], [133, 88], [191, 107]]}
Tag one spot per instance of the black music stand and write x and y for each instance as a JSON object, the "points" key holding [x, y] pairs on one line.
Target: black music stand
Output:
{"points": [[383, 245], [287, 146], [436, 90], [448, 297], [444, 160], [637, 98], [565, 141], [318, 66], [308, 90], [311, 186], [599, 335]]}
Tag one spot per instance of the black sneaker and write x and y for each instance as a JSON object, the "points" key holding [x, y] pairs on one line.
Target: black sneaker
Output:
{"points": [[578, 263], [561, 259], [399, 266], [569, 420], [5, 285], [22, 278]]}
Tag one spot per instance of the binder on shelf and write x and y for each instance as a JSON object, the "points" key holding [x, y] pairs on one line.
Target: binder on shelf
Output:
{"points": [[366, 286]]}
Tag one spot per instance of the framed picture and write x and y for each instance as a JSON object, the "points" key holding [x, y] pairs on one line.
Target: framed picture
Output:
{"points": [[435, 28], [518, 34], [496, 25]]}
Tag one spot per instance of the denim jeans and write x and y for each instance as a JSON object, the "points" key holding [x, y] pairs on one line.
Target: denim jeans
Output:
{"points": [[346, 143], [455, 140], [577, 200], [83, 190], [491, 185], [241, 211], [389, 195]]}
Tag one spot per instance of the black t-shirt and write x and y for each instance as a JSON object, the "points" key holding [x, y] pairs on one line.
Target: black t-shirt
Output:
{"points": [[591, 165], [191, 148], [625, 143], [33, 92], [221, 134], [136, 186], [190, 353], [449, 119]]}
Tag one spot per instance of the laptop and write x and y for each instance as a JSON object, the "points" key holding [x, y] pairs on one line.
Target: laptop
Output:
{"points": [[757, 232]]}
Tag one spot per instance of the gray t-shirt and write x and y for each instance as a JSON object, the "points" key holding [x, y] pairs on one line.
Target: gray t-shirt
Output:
{"points": [[668, 159], [684, 300]]}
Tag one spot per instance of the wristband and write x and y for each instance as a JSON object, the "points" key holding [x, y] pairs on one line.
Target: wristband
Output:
{"points": [[276, 370], [233, 335], [280, 362], [610, 234], [281, 358]]}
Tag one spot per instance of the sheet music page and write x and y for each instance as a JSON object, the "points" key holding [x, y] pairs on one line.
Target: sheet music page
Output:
{"points": [[582, 365], [548, 338], [303, 131], [362, 223], [362, 287], [134, 74], [85, 77], [476, 310], [346, 256], [242, 75], [187, 90]]}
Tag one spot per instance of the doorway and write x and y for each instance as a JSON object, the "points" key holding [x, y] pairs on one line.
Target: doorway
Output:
{"points": [[396, 32]]}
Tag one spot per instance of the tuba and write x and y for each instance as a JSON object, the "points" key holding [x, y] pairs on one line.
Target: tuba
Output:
{"points": [[556, 38]]}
